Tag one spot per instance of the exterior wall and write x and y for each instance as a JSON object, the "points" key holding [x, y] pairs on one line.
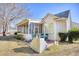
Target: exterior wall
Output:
{"points": [[48, 27], [57, 25], [60, 27]]}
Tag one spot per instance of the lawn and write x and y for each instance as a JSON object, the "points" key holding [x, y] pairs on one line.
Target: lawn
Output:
{"points": [[64, 49], [20, 48], [14, 48]]}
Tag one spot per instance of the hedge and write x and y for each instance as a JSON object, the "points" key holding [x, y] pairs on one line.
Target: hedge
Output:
{"points": [[63, 37], [72, 35], [19, 36]]}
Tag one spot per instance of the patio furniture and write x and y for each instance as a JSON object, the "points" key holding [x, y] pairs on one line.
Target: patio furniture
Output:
{"points": [[46, 37], [33, 35], [42, 35]]}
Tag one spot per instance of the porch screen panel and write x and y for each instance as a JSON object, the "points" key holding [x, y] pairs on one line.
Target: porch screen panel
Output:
{"points": [[26, 29], [31, 30]]}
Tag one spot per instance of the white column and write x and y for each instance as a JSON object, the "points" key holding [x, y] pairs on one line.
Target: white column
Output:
{"points": [[68, 23], [34, 27], [28, 27], [44, 30], [38, 28], [55, 30]]}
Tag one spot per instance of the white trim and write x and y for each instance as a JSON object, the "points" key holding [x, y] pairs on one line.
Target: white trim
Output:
{"points": [[55, 30], [68, 21], [28, 27], [34, 21]]}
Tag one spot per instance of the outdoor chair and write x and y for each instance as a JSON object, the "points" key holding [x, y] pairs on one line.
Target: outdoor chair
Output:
{"points": [[42, 35], [46, 37]]}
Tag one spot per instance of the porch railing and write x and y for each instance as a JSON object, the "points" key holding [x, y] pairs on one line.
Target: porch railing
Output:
{"points": [[46, 36]]}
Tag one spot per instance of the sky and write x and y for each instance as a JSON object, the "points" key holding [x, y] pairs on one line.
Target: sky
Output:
{"points": [[39, 10]]}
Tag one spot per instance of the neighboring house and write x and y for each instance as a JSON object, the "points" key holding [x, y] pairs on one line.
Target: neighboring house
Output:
{"points": [[50, 24], [75, 25]]}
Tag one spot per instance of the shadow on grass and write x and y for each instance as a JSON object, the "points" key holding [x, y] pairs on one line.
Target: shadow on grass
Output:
{"points": [[7, 38], [25, 50], [76, 42], [67, 43]]}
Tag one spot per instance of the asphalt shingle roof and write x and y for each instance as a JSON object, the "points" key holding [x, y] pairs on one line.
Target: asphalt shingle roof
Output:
{"points": [[63, 14]]}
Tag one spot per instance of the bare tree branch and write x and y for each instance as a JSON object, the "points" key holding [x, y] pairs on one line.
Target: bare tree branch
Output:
{"points": [[10, 12]]}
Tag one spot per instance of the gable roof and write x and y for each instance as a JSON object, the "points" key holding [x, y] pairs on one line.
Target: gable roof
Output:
{"points": [[64, 14], [22, 22]]}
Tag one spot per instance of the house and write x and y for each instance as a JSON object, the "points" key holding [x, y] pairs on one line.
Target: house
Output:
{"points": [[29, 26], [50, 24]]}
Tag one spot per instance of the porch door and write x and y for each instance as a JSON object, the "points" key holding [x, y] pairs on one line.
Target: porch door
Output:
{"points": [[38, 28]]}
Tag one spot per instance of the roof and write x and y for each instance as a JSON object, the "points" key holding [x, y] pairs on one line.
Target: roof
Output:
{"points": [[23, 22], [64, 14]]}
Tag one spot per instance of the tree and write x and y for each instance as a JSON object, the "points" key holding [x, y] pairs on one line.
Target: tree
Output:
{"points": [[8, 13]]}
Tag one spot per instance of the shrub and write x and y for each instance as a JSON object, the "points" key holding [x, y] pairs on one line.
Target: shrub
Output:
{"points": [[17, 32], [19, 37], [70, 39], [63, 37], [74, 34]]}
